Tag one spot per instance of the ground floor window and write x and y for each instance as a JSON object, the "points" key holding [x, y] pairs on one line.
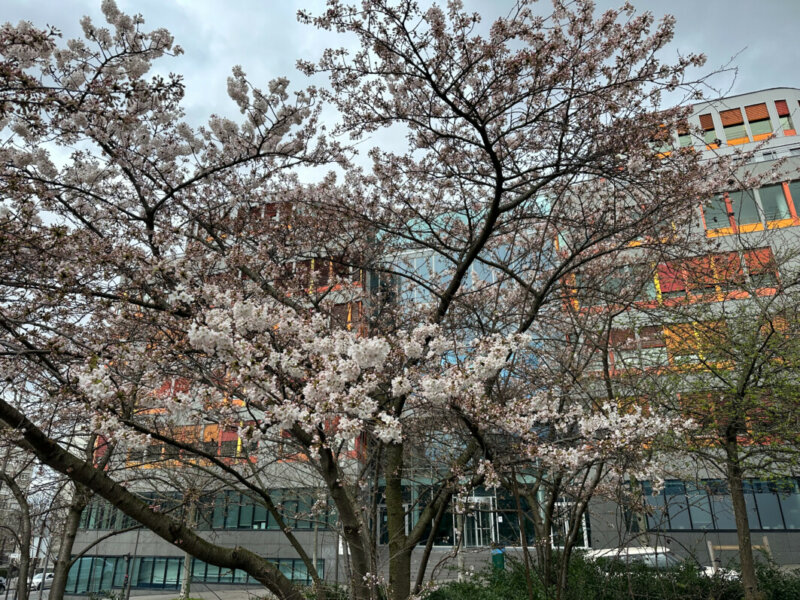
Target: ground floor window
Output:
{"points": [[706, 505], [92, 574]]}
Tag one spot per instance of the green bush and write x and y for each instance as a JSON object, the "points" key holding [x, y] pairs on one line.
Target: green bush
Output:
{"points": [[615, 580], [776, 583]]}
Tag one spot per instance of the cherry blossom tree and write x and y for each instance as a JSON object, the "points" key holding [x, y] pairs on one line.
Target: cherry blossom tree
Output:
{"points": [[159, 277]]}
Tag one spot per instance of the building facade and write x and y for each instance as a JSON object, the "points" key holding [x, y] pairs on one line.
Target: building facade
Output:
{"points": [[748, 234]]}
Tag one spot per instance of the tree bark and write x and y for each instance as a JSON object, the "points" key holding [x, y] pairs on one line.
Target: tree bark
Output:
{"points": [[71, 524], [399, 551], [24, 537], [352, 527], [735, 483]]}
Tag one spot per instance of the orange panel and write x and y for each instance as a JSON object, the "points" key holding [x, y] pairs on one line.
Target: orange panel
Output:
{"points": [[757, 112], [731, 117]]}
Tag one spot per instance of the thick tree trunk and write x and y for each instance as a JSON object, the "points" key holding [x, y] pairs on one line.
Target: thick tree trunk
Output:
{"points": [[352, 529], [735, 479], [71, 524], [399, 551]]}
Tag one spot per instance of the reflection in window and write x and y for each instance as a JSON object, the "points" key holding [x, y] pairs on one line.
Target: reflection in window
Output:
{"points": [[715, 212], [743, 205], [774, 203], [721, 505], [789, 495]]}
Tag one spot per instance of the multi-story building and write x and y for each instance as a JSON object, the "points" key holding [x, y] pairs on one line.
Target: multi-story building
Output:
{"points": [[734, 284], [743, 241]]}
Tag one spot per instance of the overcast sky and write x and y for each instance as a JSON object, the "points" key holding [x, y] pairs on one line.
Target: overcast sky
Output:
{"points": [[265, 38]]}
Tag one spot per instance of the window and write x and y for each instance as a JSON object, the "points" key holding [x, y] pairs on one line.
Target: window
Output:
{"points": [[750, 210], [706, 505], [671, 280], [733, 126], [744, 208], [774, 203], [709, 134], [758, 118], [684, 137], [682, 344], [716, 213], [785, 118], [761, 268]]}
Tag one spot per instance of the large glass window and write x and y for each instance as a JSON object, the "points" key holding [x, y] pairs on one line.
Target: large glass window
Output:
{"points": [[174, 568], [744, 208], [721, 504], [699, 506], [789, 496], [677, 506], [655, 507], [769, 509], [715, 212], [773, 203], [758, 117]]}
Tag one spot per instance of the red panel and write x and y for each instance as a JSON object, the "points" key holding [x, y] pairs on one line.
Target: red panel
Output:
{"points": [[760, 261], [728, 268], [783, 108], [706, 122], [670, 278], [699, 272]]}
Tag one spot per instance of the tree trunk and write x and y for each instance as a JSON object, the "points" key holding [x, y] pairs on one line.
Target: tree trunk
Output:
{"points": [[399, 552], [24, 537], [352, 528], [186, 582], [735, 480], [71, 524]]}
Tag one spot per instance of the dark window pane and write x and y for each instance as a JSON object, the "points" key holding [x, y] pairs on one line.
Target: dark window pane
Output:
{"points": [[198, 570], [285, 566], [677, 507], [84, 574], [301, 572], [174, 568], [715, 212], [159, 568], [259, 517], [212, 574], [744, 207], [721, 504], [750, 503], [218, 518], [789, 495], [699, 507], [239, 576], [72, 576], [246, 513], [769, 510], [656, 511], [120, 571], [232, 516], [145, 575]]}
